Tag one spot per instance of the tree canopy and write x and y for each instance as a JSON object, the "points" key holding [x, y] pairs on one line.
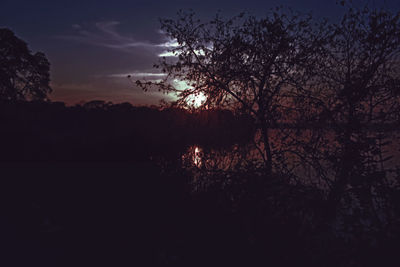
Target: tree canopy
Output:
{"points": [[245, 62], [322, 93], [23, 75], [287, 67]]}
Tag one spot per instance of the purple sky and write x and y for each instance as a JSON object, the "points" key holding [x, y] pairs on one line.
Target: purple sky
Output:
{"points": [[93, 45]]}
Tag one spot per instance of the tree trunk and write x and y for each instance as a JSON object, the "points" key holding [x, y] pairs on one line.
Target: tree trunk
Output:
{"points": [[267, 149], [347, 161]]}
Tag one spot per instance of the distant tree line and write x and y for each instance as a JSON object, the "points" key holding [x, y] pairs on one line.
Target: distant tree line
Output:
{"points": [[99, 130]]}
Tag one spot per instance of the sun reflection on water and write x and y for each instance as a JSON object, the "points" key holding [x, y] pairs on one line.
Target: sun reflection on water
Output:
{"points": [[197, 156]]}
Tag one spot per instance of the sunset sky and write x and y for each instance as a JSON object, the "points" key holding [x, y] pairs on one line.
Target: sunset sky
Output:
{"points": [[93, 45]]}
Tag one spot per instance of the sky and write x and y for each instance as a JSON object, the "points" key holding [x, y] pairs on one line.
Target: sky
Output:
{"points": [[93, 45]]}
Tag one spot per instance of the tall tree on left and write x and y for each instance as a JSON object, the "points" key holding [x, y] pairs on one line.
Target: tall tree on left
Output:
{"points": [[23, 75]]}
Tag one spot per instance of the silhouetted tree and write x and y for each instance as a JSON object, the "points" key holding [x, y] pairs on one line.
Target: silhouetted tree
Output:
{"points": [[23, 75], [355, 95], [244, 62], [97, 105]]}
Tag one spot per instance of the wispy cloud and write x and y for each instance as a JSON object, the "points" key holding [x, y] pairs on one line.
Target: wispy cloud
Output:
{"points": [[137, 75], [106, 34]]}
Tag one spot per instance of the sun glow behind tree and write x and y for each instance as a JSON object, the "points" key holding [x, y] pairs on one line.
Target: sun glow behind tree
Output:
{"points": [[195, 100]]}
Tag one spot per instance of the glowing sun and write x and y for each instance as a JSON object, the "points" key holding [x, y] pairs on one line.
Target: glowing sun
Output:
{"points": [[196, 100]]}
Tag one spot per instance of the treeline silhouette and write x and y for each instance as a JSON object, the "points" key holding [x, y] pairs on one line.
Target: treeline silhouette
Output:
{"points": [[97, 130]]}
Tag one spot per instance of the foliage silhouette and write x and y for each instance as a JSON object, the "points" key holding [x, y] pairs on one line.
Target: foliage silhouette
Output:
{"points": [[244, 62], [24, 76], [325, 100], [355, 88]]}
